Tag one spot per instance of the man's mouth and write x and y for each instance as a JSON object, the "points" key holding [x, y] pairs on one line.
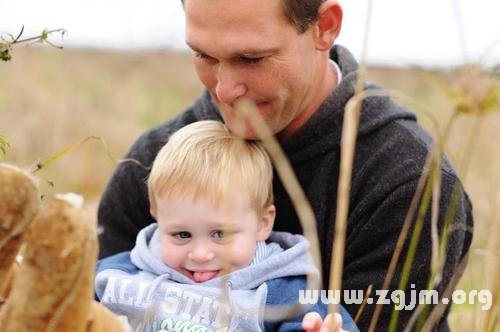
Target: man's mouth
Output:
{"points": [[202, 276]]}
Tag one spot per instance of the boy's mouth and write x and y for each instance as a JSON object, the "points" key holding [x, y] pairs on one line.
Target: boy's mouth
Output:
{"points": [[201, 276]]}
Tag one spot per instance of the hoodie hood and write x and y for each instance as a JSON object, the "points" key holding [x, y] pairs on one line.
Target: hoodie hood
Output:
{"points": [[285, 255], [324, 130], [156, 297]]}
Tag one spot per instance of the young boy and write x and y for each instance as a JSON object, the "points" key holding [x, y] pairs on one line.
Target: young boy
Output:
{"points": [[211, 263]]}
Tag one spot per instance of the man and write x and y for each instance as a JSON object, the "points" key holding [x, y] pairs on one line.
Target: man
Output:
{"points": [[278, 53]]}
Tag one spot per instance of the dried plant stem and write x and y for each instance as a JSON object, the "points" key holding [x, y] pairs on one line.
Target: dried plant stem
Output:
{"points": [[493, 248], [454, 199], [348, 145], [437, 264], [434, 154], [492, 315], [401, 239], [439, 259], [56, 156], [40, 38], [410, 255], [436, 195], [368, 293], [8, 41], [248, 111], [439, 309], [461, 29], [471, 143]]}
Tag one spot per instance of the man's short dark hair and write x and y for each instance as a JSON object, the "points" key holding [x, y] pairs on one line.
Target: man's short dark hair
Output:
{"points": [[301, 13]]}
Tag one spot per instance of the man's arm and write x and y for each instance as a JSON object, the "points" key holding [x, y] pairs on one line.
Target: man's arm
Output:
{"points": [[124, 208]]}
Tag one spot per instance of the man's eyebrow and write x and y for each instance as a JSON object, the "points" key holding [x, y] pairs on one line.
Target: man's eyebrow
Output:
{"points": [[241, 53], [256, 52]]}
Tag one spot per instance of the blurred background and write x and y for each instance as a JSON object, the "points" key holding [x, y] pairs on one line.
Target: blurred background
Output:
{"points": [[402, 32], [125, 68]]}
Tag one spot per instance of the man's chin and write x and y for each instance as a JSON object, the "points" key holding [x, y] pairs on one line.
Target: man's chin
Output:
{"points": [[246, 130], [244, 127]]}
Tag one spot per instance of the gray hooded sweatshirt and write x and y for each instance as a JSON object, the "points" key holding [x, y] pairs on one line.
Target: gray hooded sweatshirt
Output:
{"points": [[156, 297]]}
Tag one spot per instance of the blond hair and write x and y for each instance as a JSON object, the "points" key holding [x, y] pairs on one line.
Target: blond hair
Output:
{"points": [[205, 158]]}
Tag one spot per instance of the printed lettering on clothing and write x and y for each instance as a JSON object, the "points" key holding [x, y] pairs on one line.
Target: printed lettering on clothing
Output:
{"points": [[170, 307]]}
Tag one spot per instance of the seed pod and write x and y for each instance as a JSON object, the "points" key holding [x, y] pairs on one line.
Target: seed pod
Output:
{"points": [[103, 320], [19, 202], [53, 289]]}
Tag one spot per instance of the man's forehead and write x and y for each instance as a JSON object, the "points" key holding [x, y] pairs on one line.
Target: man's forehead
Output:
{"points": [[233, 13], [236, 28], [185, 2]]}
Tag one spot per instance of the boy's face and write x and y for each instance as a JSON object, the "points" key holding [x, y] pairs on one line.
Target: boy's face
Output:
{"points": [[203, 241]]}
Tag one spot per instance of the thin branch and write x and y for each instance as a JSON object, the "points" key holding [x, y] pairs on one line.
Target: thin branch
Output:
{"points": [[7, 44]]}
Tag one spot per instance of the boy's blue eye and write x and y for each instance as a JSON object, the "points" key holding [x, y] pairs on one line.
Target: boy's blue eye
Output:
{"points": [[218, 234], [183, 235]]}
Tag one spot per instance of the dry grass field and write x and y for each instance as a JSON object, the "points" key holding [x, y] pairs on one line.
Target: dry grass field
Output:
{"points": [[51, 99]]}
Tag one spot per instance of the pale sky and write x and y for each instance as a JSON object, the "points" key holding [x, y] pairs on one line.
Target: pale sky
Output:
{"points": [[402, 32]]}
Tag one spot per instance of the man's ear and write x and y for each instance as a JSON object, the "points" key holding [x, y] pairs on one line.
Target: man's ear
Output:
{"points": [[266, 223], [328, 25]]}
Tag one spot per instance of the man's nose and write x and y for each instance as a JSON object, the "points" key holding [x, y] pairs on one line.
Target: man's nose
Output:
{"points": [[230, 85], [201, 253]]}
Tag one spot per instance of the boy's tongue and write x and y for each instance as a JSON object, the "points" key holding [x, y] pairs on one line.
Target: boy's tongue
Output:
{"points": [[203, 276]]}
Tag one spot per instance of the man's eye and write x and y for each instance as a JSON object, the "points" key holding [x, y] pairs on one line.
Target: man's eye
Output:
{"points": [[182, 235], [218, 234], [251, 60], [203, 56]]}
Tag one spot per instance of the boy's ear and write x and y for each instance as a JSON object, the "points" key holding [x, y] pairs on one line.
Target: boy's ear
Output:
{"points": [[266, 223], [328, 25]]}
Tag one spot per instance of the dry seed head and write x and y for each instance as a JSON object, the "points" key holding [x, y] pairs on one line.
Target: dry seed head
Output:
{"points": [[74, 199], [19, 202], [476, 90], [53, 289], [18, 193]]}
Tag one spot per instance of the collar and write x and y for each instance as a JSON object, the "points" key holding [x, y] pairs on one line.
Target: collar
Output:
{"points": [[336, 68]]}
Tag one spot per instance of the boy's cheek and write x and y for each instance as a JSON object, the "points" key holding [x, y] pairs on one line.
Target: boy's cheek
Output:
{"points": [[172, 255]]}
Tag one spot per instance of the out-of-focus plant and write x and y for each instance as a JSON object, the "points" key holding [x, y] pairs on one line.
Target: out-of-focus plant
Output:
{"points": [[4, 145], [473, 91], [8, 41]]}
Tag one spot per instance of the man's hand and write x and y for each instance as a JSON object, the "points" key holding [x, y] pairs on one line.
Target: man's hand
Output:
{"points": [[313, 322]]}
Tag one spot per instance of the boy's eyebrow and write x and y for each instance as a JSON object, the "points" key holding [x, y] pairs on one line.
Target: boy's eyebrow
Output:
{"points": [[172, 226], [241, 53]]}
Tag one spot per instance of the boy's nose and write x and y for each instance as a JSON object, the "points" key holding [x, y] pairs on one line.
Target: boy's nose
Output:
{"points": [[201, 254]]}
